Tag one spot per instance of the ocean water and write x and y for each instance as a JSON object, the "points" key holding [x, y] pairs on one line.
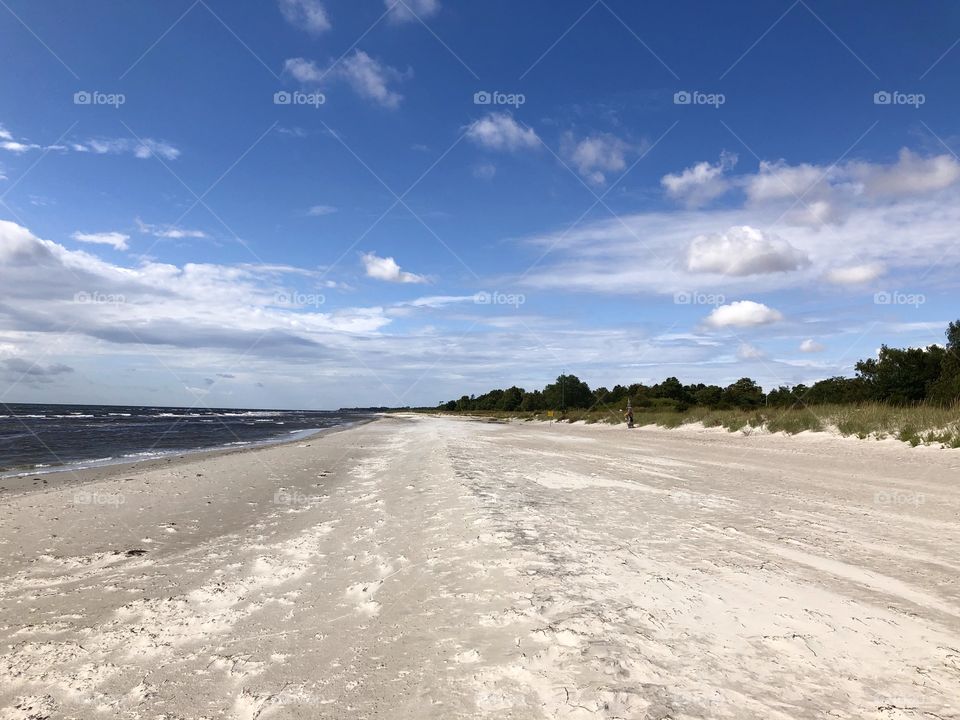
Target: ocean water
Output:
{"points": [[44, 438]]}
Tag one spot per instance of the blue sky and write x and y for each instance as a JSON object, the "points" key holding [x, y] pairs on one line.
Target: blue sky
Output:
{"points": [[460, 196]]}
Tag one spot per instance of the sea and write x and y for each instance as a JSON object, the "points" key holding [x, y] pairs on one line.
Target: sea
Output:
{"points": [[35, 439]]}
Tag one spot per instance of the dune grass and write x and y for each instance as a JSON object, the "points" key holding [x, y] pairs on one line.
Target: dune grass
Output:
{"points": [[916, 425]]}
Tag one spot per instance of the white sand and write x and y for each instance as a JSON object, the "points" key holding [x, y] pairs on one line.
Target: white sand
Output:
{"points": [[438, 568]]}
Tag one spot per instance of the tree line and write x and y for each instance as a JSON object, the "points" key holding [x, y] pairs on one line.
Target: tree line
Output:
{"points": [[897, 376]]}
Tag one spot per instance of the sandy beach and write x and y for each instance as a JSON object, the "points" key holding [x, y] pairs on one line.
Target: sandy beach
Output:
{"points": [[426, 567]]}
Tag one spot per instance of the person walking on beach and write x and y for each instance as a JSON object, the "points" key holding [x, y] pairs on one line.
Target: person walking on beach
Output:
{"points": [[629, 416]]}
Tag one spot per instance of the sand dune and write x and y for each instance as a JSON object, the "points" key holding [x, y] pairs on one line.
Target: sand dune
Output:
{"points": [[434, 568]]}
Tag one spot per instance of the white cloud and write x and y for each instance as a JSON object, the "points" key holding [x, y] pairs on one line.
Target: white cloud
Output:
{"points": [[48, 288], [367, 77], [170, 232], [701, 183], [321, 210], [743, 250], [370, 79], [143, 149], [908, 236], [826, 194], [778, 180], [485, 171], [811, 346], [17, 147], [597, 155], [308, 15], [743, 313], [855, 274], [746, 351], [499, 131], [387, 269], [911, 174], [409, 10], [116, 240]]}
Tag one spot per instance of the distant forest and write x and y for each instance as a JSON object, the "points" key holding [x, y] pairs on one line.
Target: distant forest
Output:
{"points": [[906, 376]]}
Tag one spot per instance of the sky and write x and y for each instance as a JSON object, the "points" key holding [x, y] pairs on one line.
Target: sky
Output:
{"points": [[326, 203]]}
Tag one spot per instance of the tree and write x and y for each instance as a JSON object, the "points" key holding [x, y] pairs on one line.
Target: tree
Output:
{"points": [[902, 376], [533, 402], [744, 393], [568, 391], [511, 399], [672, 389], [708, 395], [946, 390]]}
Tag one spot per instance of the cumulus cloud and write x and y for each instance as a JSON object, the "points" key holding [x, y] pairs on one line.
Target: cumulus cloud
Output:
{"points": [[49, 288], [855, 274], [825, 194], [409, 10], [911, 174], [366, 76], [778, 180], [700, 183], [499, 131], [116, 240], [387, 269], [811, 346], [743, 250], [597, 155], [308, 15], [743, 313]]}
